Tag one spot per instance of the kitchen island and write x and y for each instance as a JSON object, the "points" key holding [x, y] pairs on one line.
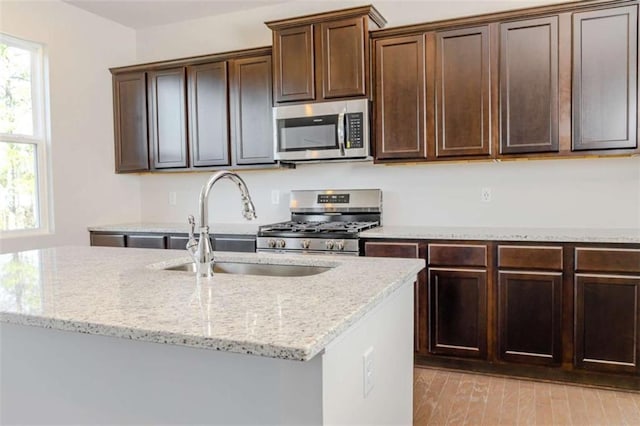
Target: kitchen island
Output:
{"points": [[109, 335]]}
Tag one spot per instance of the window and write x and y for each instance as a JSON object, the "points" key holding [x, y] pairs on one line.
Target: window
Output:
{"points": [[23, 138]]}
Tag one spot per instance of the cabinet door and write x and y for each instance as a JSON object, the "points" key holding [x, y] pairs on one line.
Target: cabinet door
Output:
{"points": [[208, 114], [529, 316], [463, 92], [130, 121], [458, 310], [529, 86], [343, 58], [400, 118], [421, 303], [294, 77], [606, 328], [168, 118], [605, 71], [251, 110]]}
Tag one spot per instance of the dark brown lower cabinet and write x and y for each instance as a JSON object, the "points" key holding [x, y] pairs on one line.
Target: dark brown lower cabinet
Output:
{"points": [[147, 241], [458, 308], [606, 323], [530, 317], [413, 251], [107, 240]]}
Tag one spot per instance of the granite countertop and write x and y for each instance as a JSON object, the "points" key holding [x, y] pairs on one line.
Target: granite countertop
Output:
{"points": [[569, 235], [126, 293], [178, 228]]}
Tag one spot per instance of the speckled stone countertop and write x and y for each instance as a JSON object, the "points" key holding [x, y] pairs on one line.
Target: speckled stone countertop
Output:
{"points": [[127, 293], [568, 235], [177, 228]]}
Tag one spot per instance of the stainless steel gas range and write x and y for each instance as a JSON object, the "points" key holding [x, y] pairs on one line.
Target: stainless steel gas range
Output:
{"points": [[325, 221]]}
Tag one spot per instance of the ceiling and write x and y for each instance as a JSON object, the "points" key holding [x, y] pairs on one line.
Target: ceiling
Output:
{"points": [[147, 13]]}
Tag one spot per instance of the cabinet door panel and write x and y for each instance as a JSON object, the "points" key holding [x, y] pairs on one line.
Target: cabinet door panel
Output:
{"points": [[463, 92], [251, 110], [421, 303], [458, 307], [168, 118], [607, 323], [529, 86], [530, 306], [605, 66], [400, 118], [208, 115], [294, 64], [130, 120], [343, 58]]}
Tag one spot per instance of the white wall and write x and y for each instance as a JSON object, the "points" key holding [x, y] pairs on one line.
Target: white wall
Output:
{"points": [[553, 193], [80, 47]]}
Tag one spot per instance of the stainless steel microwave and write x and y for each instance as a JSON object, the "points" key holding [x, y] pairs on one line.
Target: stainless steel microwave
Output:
{"points": [[322, 131]]}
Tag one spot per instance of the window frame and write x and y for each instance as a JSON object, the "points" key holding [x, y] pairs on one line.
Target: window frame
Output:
{"points": [[40, 138]]}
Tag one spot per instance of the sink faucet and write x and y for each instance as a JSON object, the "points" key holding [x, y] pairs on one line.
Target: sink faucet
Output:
{"points": [[202, 251]]}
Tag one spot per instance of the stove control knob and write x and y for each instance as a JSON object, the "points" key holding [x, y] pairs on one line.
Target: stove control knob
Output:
{"points": [[271, 243], [329, 244], [280, 244], [305, 244], [340, 245]]}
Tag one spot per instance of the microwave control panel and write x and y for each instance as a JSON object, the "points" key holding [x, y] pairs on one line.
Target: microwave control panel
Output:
{"points": [[354, 132]]}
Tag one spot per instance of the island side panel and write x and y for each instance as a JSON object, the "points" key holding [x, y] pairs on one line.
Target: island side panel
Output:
{"points": [[60, 377], [388, 330]]}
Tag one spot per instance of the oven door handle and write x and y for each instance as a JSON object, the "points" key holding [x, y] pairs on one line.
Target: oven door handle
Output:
{"points": [[341, 133]]}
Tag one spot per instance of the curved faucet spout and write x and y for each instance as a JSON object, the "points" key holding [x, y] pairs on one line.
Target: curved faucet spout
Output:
{"points": [[204, 252]]}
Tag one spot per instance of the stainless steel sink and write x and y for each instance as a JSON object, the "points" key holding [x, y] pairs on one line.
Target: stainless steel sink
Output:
{"points": [[256, 269]]}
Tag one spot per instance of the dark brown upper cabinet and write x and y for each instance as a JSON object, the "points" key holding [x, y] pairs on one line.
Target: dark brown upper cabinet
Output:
{"points": [[208, 114], [323, 56], [251, 96], [167, 117], [605, 71], [343, 58], [462, 89], [400, 107], [529, 86], [130, 122], [294, 73]]}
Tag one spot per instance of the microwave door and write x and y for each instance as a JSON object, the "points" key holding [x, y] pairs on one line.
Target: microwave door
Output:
{"points": [[317, 133]]}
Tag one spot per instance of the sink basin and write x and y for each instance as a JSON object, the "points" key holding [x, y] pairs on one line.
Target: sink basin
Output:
{"points": [[256, 269]]}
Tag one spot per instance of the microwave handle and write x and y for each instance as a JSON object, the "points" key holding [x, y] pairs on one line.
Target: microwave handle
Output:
{"points": [[341, 133]]}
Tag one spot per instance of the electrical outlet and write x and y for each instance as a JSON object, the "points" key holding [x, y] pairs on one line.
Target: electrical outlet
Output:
{"points": [[367, 368], [485, 195], [172, 198], [275, 196]]}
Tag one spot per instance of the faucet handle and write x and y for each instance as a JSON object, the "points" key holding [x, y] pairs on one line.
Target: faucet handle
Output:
{"points": [[192, 223], [192, 244]]}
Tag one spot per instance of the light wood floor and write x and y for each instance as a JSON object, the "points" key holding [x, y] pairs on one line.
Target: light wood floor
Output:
{"points": [[451, 398]]}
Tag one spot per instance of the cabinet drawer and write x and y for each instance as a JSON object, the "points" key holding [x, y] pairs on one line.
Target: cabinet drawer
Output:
{"points": [[111, 240], [407, 250], [146, 241], [529, 257], [457, 255], [238, 244], [607, 260]]}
